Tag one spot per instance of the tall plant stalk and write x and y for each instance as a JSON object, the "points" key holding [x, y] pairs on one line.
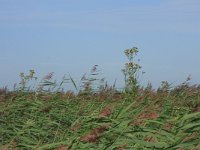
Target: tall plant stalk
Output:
{"points": [[131, 70]]}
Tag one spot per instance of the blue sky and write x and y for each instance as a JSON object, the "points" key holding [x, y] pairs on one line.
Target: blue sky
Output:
{"points": [[70, 36]]}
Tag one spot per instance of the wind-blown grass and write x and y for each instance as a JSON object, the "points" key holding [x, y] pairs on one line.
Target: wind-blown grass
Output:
{"points": [[150, 120], [46, 117]]}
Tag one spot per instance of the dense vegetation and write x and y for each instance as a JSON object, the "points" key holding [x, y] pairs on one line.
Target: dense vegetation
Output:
{"points": [[97, 116]]}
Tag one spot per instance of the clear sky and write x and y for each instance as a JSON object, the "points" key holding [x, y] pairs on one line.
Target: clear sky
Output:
{"points": [[70, 36]]}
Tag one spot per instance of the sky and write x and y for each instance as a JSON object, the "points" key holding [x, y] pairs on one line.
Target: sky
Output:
{"points": [[70, 36]]}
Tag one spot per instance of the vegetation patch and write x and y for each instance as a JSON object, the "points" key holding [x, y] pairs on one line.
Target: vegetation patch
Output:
{"points": [[43, 116]]}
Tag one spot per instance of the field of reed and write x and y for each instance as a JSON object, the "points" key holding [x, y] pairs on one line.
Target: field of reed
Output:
{"points": [[43, 116]]}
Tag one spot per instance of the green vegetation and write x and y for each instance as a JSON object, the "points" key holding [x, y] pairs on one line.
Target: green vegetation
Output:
{"points": [[42, 116]]}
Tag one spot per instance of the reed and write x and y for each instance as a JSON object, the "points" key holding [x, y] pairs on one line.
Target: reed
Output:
{"points": [[98, 116]]}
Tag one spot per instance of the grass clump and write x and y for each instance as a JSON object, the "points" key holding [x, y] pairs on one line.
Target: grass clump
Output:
{"points": [[46, 117]]}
